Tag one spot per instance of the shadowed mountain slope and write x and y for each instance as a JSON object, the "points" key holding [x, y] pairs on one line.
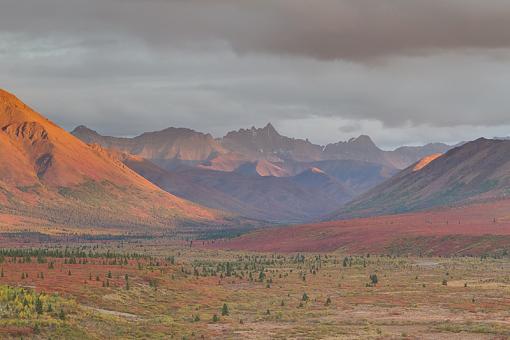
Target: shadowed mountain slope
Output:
{"points": [[276, 199], [478, 170]]}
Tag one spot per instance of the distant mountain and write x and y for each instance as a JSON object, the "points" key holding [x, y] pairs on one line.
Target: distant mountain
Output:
{"points": [[175, 146], [276, 199], [262, 168], [406, 155], [361, 148], [165, 147], [267, 143], [358, 176], [49, 175], [268, 184], [364, 149], [314, 179], [231, 168], [475, 171], [180, 184]]}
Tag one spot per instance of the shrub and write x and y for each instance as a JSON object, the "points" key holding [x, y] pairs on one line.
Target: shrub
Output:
{"points": [[305, 297], [224, 310], [373, 279]]}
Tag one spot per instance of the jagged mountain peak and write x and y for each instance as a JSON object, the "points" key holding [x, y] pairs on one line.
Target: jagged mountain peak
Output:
{"points": [[267, 131], [269, 128], [362, 139]]}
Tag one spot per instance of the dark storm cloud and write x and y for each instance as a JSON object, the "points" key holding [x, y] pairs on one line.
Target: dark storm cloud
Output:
{"points": [[324, 29]]}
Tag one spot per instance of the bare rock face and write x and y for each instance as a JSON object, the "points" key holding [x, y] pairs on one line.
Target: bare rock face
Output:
{"points": [[166, 145], [267, 143]]}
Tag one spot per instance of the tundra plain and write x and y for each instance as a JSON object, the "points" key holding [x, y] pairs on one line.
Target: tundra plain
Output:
{"points": [[161, 288]]}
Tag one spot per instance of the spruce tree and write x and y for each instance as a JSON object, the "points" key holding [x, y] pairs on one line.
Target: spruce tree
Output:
{"points": [[224, 310], [305, 297], [38, 306]]}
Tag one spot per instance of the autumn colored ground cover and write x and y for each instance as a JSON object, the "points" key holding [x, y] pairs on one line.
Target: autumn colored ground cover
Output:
{"points": [[157, 288], [468, 230]]}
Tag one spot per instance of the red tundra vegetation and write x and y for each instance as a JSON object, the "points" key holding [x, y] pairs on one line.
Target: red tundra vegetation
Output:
{"points": [[470, 230]]}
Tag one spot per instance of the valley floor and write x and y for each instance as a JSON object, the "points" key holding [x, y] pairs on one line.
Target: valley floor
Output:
{"points": [[164, 289]]}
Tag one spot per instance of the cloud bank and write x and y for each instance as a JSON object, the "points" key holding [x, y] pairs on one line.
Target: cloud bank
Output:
{"points": [[387, 68]]}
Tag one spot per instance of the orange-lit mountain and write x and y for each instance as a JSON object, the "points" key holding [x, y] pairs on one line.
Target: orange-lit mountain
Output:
{"points": [[50, 175], [475, 171]]}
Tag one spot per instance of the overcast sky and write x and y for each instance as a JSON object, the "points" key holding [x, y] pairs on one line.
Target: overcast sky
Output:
{"points": [[401, 71]]}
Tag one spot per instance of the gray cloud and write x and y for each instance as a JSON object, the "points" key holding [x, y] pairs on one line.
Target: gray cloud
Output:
{"points": [[403, 71], [325, 29]]}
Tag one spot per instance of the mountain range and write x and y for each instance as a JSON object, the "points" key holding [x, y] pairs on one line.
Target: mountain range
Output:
{"points": [[180, 180], [185, 146], [259, 173]]}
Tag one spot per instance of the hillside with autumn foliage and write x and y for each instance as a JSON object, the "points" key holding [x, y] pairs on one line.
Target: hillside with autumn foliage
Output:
{"points": [[50, 178]]}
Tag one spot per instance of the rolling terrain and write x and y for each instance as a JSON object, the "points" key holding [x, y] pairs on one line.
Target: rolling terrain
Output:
{"points": [[53, 179]]}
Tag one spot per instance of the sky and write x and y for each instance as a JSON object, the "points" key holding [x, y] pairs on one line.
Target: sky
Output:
{"points": [[405, 72]]}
